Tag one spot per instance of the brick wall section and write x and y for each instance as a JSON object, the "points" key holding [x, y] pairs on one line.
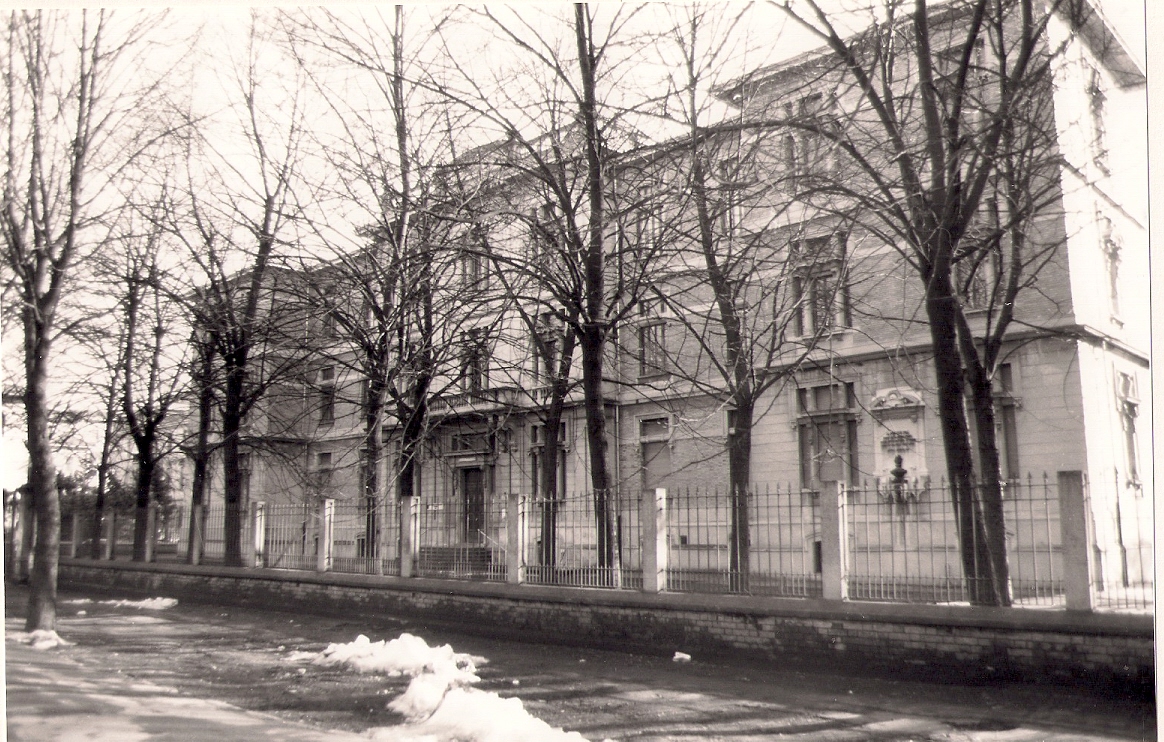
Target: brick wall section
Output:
{"points": [[898, 640]]}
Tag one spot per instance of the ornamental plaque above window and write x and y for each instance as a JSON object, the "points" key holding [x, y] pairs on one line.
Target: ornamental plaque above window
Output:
{"points": [[897, 402]]}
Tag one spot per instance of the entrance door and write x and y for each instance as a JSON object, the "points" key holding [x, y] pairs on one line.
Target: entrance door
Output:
{"points": [[473, 489]]}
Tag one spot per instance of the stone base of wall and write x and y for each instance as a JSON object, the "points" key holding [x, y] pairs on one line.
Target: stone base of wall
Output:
{"points": [[964, 644]]}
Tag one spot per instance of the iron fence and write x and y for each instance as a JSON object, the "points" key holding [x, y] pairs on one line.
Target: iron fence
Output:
{"points": [[291, 536], [763, 543], [901, 542], [1122, 540], [461, 539], [563, 545], [361, 531], [214, 533], [904, 543]]}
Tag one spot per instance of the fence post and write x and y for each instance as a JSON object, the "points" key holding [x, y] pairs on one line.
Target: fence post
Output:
{"points": [[653, 516], [326, 522], [382, 534], [834, 539], [194, 548], [1076, 536], [515, 537], [259, 532], [407, 520], [110, 534], [75, 522], [151, 540]]}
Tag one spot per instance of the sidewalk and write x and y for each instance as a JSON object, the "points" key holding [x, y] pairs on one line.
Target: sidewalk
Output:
{"points": [[195, 673]]}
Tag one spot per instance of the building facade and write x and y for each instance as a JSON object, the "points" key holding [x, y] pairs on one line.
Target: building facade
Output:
{"points": [[840, 360]]}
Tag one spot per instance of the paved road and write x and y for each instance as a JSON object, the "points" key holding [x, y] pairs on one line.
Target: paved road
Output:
{"points": [[194, 673]]}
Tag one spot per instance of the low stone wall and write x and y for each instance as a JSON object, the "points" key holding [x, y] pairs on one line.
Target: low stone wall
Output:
{"points": [[959, 642]]}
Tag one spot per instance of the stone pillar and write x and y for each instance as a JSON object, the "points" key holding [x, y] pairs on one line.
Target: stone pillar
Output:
{"points": [[258, 521], [75, 523], [197, 529], [326, 521], [1076, 536], [834, 538], [110, 534], [516, 534], [653, 520], [151, 534], [407, 534]]}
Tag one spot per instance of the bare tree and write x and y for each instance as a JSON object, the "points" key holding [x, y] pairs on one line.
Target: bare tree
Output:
{"points": [[74, 120], [949, 153], [558, 143], [729, 274], [152, 362], [234, 216], [398, 319]]}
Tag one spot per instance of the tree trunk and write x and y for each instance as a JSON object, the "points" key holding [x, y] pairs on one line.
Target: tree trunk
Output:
{"points": [[99, 509], [593, 335], [604, 507], [141, 523], [739, 482], [201, 463], [232, 475], [46, 506], [976, 563], [548, 549], [370, 470], [990, 487]]}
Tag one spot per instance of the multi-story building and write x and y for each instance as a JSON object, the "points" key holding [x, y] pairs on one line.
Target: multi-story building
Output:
{"points": [[839, 353]]}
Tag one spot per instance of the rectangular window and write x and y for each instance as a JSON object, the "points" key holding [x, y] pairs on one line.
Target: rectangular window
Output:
{"points": [[321, 477], [974, 280], [326, 395], [544, 231], [827, 433], [1111, 255], [820, 286], [327, 405], [544, 349], [1096, 104], [809, 146], [1129, 410], [655, 450], [474, 362], [1006, 425], [474, 270], [329, 325], [537, 445], [653, 349]]}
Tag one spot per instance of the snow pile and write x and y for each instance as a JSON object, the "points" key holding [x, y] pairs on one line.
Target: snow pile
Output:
{"points": [[469, 715], [438, 702], [41, 639], [406, 655], [150, 604]]}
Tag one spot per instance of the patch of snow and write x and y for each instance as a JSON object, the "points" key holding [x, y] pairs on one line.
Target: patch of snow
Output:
{"points": [[298, 656], [41, 639], [151, 604], [681, 657], [471, 715], [406, 655], [438, 704]]}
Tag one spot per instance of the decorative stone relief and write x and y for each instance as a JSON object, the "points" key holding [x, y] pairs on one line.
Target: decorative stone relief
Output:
{"points": [[899, 414]]}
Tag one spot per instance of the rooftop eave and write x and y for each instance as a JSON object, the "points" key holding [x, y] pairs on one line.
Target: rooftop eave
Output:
{"points": [[1108, 47]]}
